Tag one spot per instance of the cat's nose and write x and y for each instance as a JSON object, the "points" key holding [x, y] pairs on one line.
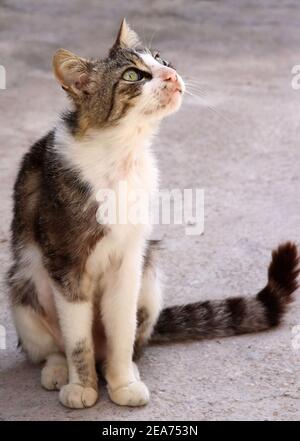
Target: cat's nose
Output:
{"points": [[168, 74]]}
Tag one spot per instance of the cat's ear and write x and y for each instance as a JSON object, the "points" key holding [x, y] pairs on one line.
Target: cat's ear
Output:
{"points": [[72, 72], [127, 38]]}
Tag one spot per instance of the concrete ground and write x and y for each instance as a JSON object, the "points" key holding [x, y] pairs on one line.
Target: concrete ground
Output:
{"points": [[246, 157]]}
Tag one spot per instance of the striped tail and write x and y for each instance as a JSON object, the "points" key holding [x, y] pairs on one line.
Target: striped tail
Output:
{"points": [[235, 315]]}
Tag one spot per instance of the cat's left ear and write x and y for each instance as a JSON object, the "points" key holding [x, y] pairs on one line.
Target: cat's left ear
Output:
{"points": [[72, 72], [127, 38]]}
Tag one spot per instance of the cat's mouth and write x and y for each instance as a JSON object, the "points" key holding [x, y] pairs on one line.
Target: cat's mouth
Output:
{"points": [[175, 95], [170, 103], [168, 99]]}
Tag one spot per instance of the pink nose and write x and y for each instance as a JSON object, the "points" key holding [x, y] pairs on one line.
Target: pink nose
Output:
{"points": [[168, 74]]}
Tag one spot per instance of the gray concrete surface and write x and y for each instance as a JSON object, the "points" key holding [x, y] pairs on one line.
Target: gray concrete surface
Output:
{"points": [[242, 53]]}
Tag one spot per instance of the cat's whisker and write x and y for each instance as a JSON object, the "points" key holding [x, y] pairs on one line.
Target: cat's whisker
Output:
{"points": [[197, 93], [143, 34], [210, 107], [195, 89], [154, 33], [188, 78], [195, 86]]}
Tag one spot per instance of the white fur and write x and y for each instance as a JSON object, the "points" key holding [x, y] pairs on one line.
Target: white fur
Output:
{"points": [[70, 313], [35, 270], [55, 372], [79, 313], [32, 268], [150, 298], [157, 92], [36, 338], [76, 326]]}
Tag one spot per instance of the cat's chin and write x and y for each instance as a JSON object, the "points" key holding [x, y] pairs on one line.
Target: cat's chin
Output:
{"points": [[172, 106], [166, 109], [176, 101]]}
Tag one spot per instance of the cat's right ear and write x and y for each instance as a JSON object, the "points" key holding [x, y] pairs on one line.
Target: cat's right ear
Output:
{"points": [[72, 72], [126, 38]]}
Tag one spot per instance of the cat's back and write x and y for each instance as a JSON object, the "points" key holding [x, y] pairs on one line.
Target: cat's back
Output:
{"points": [[28, 184]]}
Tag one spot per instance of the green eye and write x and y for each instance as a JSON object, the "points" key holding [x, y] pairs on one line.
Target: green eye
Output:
{"points": [[132, 75]]}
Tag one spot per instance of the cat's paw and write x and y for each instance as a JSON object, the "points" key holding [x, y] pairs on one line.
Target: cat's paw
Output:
{"points": [[76, 396], [134, 394], [54, 377]]}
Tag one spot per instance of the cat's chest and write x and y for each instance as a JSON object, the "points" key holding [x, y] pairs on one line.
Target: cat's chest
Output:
{"points": [[122, 188], [120, 173], [122, 194], [107, 158], [135, 174]]}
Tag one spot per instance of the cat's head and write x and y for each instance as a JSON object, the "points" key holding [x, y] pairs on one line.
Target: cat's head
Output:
{"points": [[131, 81]]}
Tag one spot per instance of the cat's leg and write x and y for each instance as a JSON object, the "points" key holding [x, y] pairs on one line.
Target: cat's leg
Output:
{"points": [[119, 309], [35, 317], [36, 340], [76, 319], [55, 372], [39, 345], [149, 305]]}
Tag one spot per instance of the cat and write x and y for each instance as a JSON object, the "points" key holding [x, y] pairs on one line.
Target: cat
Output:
{"points": [[82, 291]]}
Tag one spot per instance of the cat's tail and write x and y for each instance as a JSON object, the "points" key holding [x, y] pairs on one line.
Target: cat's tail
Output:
{"points": [[235, 315]]}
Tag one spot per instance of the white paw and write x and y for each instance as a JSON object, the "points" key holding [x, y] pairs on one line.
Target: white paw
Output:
{"points": [[134, 394], [54, 377], [77, 396]]}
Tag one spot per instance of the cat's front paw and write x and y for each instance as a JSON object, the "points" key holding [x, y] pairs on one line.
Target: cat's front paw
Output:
{"points": [[134, 394], [76, 396], [54, 377]]}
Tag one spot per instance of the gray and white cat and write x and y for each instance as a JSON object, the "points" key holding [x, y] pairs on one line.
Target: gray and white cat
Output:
{"points": [[83, 292]]}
